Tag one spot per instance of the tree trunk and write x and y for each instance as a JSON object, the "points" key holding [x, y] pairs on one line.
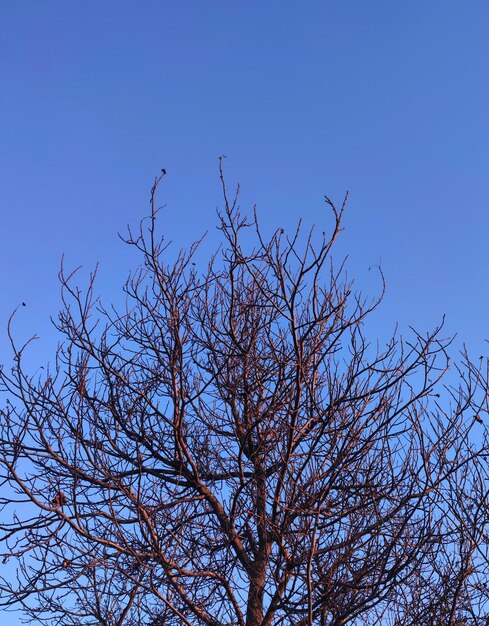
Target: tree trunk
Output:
{"points": [[254, 611]]}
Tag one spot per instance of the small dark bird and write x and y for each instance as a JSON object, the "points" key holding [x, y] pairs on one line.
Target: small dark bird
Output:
{"points": [[163, 171], [59, 499], [478, 419], [24, 304]]}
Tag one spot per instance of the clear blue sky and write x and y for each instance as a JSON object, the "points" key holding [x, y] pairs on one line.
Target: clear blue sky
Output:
{"points": [[389, 100]]}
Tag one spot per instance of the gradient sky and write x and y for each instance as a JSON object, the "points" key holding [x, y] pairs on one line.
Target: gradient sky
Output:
{"points": [[388, 100]]}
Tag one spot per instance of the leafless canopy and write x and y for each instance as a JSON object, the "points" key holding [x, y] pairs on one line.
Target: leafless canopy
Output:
{"points": [[231, 450]]}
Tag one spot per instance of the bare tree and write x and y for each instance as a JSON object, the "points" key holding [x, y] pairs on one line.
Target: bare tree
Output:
{"points": [[231, 449]]}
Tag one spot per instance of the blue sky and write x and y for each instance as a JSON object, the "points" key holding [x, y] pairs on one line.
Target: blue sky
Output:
{"points": [[389, 100]]}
